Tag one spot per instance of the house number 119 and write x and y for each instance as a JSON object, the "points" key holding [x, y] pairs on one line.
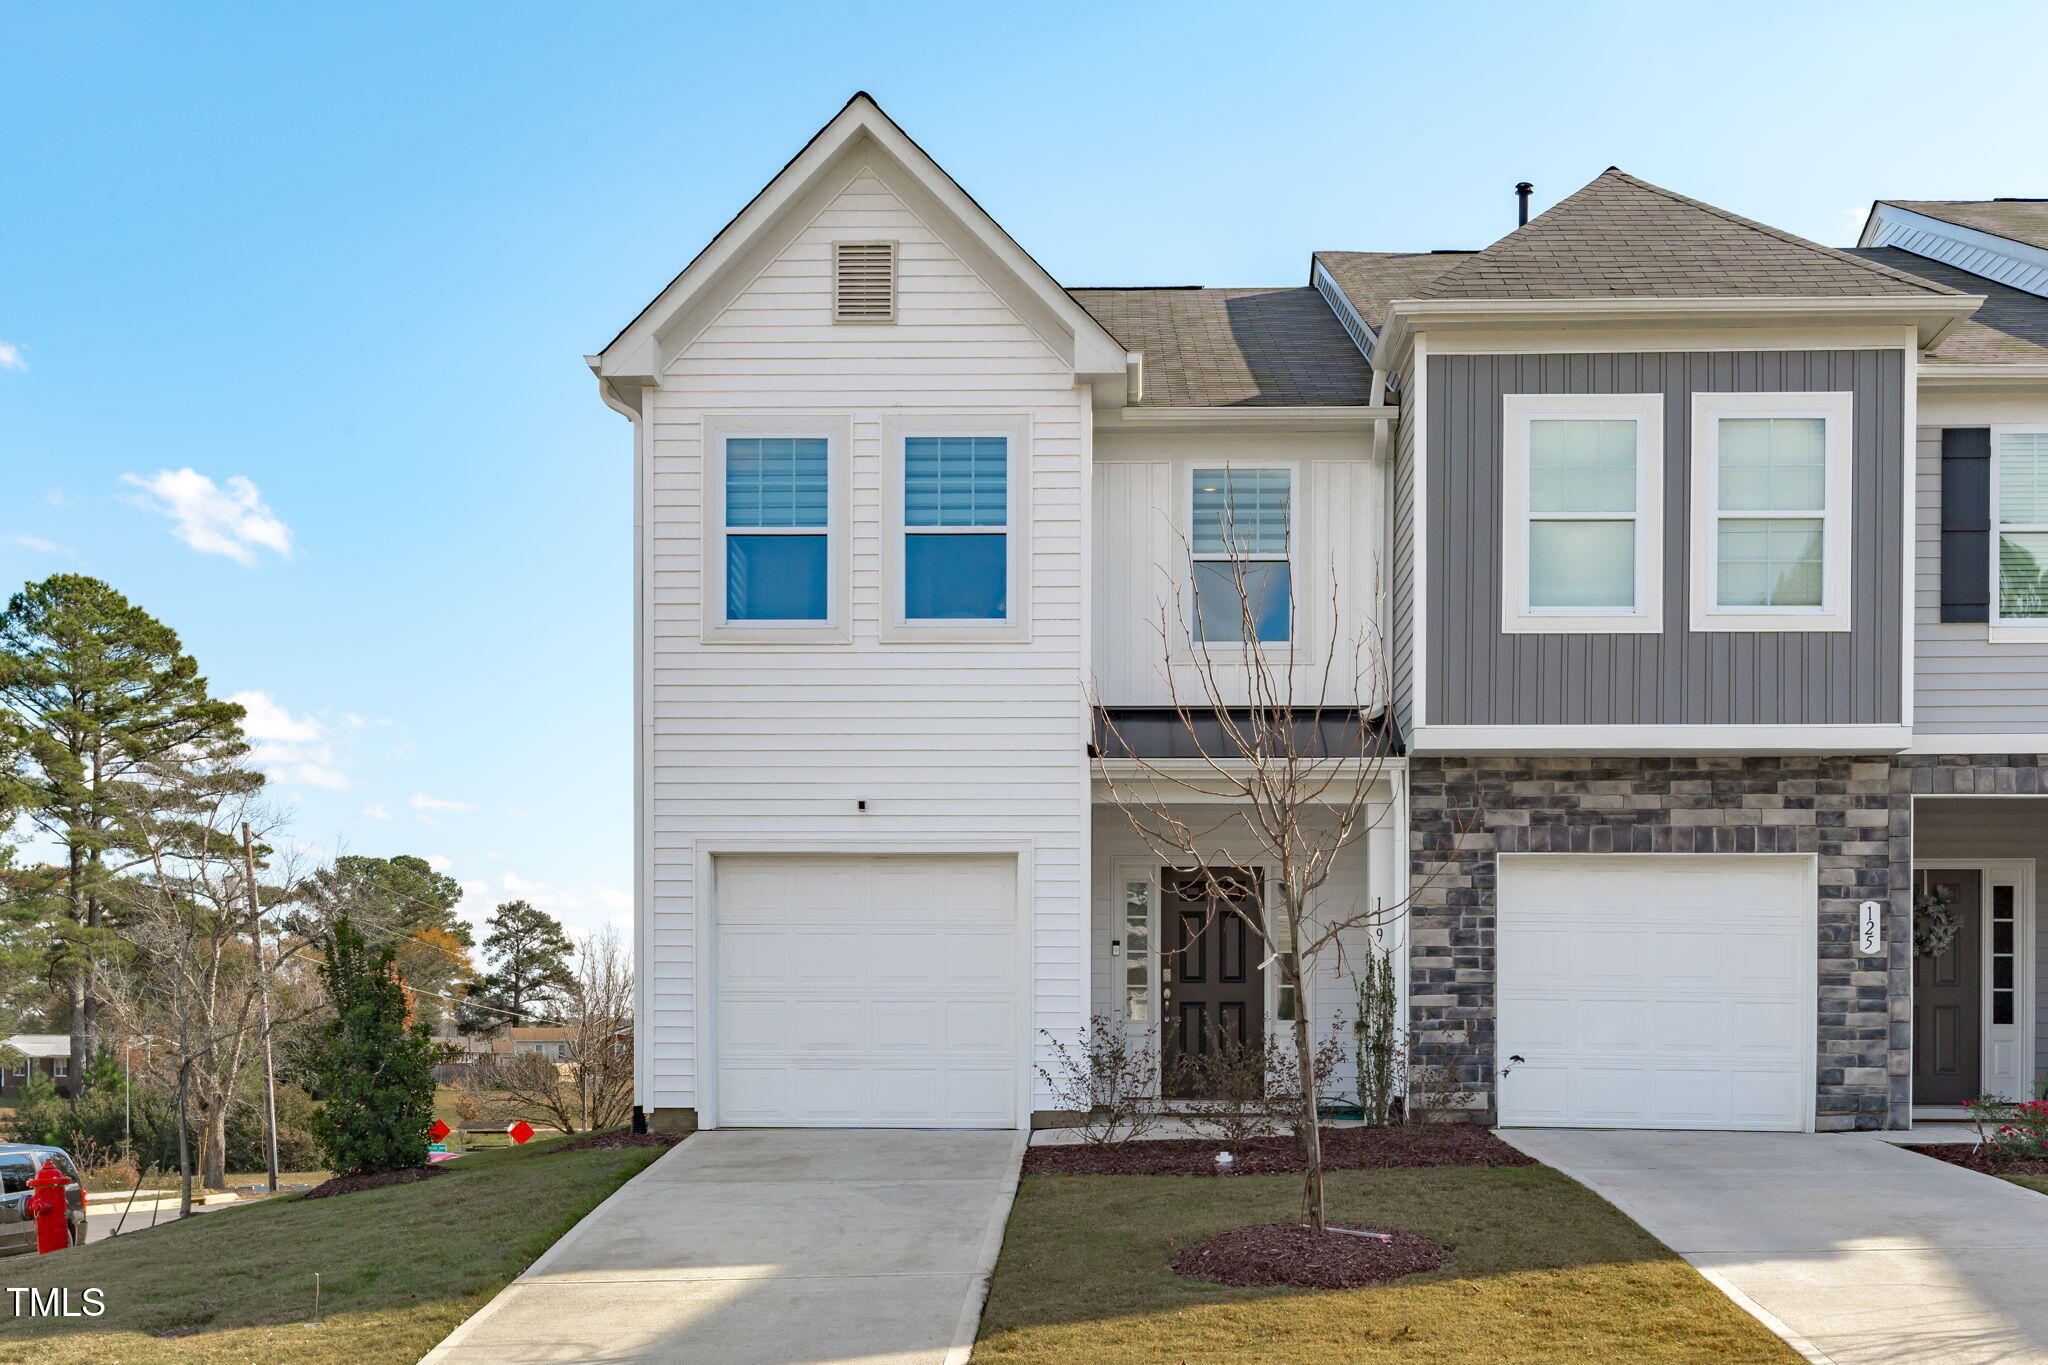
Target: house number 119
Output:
{"points": [[1870, 928]]}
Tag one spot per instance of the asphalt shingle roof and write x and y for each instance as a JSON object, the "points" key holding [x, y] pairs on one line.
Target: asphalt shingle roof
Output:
{"points": [[1373, 279], [2010, 327], [1620, 237], [2018, 220], [1217, 348]]}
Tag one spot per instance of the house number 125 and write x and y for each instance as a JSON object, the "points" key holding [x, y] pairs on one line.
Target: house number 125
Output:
{"points": [[1870, 928]]}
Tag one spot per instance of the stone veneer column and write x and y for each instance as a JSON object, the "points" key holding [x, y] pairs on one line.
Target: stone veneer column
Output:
{"points": [[1855, 813]]}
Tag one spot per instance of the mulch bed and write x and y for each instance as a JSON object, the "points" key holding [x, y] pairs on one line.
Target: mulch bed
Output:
{"points": [[618, 1138], [1344, 1149], [1976, 1159], [1267, 1254], [350, 1184]]}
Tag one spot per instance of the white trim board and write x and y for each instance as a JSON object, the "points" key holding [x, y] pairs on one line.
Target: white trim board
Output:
{"points": [[1960, 743], [2020, 874], [1658, 739], [1519, 412]]}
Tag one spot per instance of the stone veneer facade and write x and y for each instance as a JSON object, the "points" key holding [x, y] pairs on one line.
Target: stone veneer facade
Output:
{"points": [[1855, 813]]}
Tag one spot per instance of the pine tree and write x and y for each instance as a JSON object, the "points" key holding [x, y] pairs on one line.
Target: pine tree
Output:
{"points": [[97, 700], [376, 1070], [529, 976]]}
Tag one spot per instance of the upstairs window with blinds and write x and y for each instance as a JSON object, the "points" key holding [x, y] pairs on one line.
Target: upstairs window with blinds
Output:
{"points": [[956, 518], [1242, 539], [777, 528], [863, 281], [2020, 511]]}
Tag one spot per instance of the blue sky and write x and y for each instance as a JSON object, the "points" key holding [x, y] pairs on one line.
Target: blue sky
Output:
{"points": [[341, 263]]}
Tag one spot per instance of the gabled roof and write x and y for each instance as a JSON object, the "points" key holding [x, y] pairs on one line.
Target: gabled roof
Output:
{"points": [[1620, 237], [860, 128], [1373, 279], [39, 1044], [1214, 348], [2009, 328], [2016, 220]]}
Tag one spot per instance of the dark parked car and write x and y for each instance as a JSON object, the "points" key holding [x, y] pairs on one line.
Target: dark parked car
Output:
{"points": [[19, 1163]]}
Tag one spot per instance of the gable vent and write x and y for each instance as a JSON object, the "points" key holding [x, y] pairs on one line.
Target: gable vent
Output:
{"points": [[863, 281]]}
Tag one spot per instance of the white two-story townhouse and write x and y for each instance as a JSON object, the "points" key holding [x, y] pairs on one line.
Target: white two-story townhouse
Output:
{"points": [[1701, 557]]}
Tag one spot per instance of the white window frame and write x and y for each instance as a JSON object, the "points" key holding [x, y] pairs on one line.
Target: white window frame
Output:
{"points": [[717, 629], [1518, 616], [1293, 558], [1837, 519], [2018, 629], [1015, 627]]}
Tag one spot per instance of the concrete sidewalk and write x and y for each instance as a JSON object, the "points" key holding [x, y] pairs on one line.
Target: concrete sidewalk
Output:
{"points": [[768, 1247], [1854, 1251]]}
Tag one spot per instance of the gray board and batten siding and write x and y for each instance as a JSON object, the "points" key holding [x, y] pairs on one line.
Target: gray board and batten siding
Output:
{"points": [[1479, 675]]}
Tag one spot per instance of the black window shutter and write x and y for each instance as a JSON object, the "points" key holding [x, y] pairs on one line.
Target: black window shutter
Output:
{"points": [[1966, 524]]}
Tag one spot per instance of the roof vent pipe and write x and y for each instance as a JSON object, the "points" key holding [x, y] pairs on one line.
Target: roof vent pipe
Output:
{"points": [[1523, 189]]}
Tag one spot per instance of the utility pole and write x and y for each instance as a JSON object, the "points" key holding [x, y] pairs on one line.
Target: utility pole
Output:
{"points": [[263, 1004]]}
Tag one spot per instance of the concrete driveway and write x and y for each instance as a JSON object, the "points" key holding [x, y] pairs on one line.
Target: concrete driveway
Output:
{"points": [[1853, 1250], [768, 1247]]}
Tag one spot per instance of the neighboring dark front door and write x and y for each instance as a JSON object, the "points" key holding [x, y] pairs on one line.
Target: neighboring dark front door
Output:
{"points": [[1946, 995], [1210, 985]]}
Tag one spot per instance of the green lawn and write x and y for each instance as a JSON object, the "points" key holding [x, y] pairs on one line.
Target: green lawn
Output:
{"points": [[399, 1268], [1542, 1270], [2037, 1183]]}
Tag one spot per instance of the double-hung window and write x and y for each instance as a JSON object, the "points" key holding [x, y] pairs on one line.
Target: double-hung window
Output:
{"points": [[2019, 512], [777, 537], [1771, 514], [1242, 538], [956, 519], [1582, 495]]}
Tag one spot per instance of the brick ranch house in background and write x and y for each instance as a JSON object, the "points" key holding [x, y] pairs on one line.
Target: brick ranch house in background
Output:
{"points": [[1715, 595], [47, 1054]]}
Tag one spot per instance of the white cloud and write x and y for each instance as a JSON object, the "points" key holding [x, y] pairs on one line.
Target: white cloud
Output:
{"points": [[266, 720], [57, 497], [10, 357], [291, 749], [41, 546], [376, 812], [482, 895], [438, 863], [422, 801], [232, 521]]}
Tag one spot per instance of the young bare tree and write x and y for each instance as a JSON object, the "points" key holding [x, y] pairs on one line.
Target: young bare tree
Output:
{"points": [[1279, 715], [589, 1088]]}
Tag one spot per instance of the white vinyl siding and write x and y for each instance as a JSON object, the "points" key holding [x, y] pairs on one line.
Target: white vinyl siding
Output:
{"points": [[1143, 542], [1582, 513], [944, 742], [1771, 529]]}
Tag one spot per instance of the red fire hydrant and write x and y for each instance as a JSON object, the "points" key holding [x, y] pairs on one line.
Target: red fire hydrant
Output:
{"points": [[51, 1209]]}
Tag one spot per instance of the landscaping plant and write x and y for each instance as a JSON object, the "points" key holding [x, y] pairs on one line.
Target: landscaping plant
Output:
{"points": [[2011, 1130], [1105, 1079], [1376, 1032], [376, 1069]]}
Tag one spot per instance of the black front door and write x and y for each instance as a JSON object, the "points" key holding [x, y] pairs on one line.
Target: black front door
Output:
{"points": [[1210, 984], [1946, 992]]}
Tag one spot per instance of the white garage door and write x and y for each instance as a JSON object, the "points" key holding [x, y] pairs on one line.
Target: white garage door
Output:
{"points": [[1646, 991], [872, 992]]}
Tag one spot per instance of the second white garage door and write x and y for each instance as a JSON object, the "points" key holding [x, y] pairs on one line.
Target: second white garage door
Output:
{"points": [[867, 992], [1648, 991]]}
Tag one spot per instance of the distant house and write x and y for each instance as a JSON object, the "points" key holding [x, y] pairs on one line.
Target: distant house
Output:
{"points": [[552, 1041], [48, 1053]]}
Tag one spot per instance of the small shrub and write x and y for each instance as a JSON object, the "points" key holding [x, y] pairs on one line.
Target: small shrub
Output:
{"points": [[1105, 1077], [1248, 1090], [2011, 1131]]}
